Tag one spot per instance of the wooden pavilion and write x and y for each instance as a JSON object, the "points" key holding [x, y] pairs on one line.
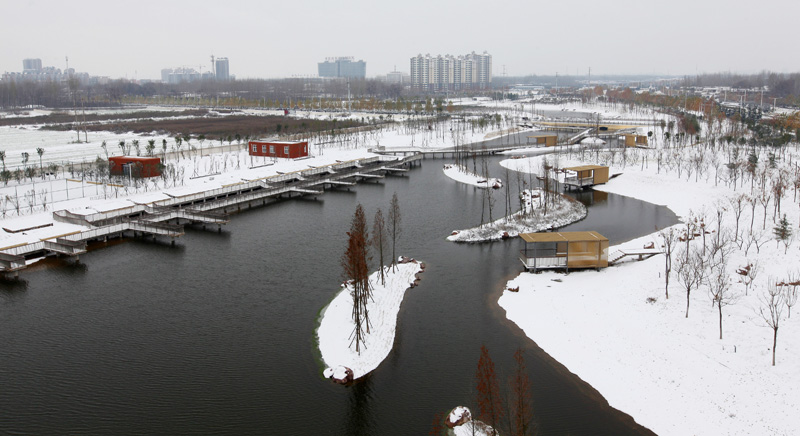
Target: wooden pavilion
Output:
{"points": [[586, 175], [557, 250]]}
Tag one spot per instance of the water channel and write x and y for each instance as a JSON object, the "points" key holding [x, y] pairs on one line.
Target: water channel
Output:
{"points": [[215, 334]]}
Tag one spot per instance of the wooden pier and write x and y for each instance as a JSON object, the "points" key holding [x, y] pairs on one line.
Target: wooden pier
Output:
{"points": [[442, 153], [165, 218]]}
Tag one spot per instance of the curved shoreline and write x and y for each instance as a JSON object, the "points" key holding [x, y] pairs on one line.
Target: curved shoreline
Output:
{"points": [[615, 329]]}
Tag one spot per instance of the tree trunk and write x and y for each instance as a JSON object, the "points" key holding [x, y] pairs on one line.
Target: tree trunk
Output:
{"points": [[719, 305], [774, 344], [687, 304]]}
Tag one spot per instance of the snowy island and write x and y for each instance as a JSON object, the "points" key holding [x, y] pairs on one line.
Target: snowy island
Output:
{"points": [[540, 211], [460, 174], [336, 325]]}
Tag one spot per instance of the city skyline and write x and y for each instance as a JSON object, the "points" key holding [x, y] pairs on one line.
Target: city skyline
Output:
{"points": [[542, 39]]}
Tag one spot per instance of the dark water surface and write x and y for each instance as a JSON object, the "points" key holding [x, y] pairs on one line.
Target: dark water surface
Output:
{"points": [[216, 334]]}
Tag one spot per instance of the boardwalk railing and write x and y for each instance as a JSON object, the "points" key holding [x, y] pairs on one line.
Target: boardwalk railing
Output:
{"points": [[542, 262], [197, 206]]}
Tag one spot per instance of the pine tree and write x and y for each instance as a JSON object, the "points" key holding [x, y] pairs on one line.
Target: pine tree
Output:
{"points": [[783, 232]]}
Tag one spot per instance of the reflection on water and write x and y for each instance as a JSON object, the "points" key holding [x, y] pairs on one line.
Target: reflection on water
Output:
{"points": [[359, 411]]}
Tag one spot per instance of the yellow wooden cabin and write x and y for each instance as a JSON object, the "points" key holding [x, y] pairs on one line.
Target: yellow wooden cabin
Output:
{"points": [[564, 250], [632, 140], [586, 175], [546, 140]]}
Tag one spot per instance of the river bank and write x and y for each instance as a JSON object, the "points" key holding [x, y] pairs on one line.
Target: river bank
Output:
{"points": [[616, 329]]}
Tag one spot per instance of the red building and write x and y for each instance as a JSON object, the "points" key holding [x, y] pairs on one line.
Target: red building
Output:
{"points": [[134, 166], [285, 149]]}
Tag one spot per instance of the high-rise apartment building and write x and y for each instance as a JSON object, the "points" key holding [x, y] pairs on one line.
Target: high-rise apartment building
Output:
{"points": [[342, 67], [443, 73], [31, 65], [222, 69]]}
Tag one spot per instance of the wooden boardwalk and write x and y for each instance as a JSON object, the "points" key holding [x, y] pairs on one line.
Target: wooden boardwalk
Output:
{"points": [[641, 253], [212, 207]]}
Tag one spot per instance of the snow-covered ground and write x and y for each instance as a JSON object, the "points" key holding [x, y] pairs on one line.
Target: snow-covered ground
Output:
{"points": [[616, 330], [336, 322], [531, 218], [461, 174]]}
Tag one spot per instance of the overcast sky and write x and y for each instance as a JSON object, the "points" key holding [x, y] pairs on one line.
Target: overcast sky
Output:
{"points": [[285, 38]]}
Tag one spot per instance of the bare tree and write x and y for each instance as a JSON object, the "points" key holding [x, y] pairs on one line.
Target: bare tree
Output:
{"points": [[791, 294], [394, 226], [771, 309], [669, 238], [379, 240], [737, 206], [749, 274], [690, 273], [719, 289]]}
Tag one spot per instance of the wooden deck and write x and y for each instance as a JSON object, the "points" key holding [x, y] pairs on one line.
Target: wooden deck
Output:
{"points": [[166, 217]]}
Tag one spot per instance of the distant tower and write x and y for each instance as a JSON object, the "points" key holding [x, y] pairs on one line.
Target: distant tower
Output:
{"points": [[222, 69], [213, 69]]}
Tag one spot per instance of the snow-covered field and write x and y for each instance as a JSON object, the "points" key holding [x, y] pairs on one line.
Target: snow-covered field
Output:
{"points": [[616, 329], [336, 322], [531, 218]]}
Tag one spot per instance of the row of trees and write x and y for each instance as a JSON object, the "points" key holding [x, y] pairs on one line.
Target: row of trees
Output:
{"points": [[356, 262], [508, 412]]}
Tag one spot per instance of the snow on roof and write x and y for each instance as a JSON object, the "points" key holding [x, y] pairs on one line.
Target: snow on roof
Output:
{"points": [[108, 206], [562, 237], [270, 141], [585, 167], [57, 229], [149, 198]]}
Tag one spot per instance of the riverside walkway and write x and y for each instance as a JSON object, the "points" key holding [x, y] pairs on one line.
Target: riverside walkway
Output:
{"points": [[166, 217]]}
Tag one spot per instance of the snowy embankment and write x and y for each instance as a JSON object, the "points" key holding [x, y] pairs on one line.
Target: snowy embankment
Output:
{"points": [[461, 174], [533, 217], [616, 330], [336, 323]]}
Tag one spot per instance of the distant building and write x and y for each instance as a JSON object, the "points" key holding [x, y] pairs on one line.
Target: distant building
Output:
{"points": [[342, 67], [222, 69], [134, 166], [284, 149], [397, 77], [179, 75], [449, 73], [31, 65]]}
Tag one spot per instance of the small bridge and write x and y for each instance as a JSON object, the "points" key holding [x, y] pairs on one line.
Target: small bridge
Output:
{"points": [[641, 253]]}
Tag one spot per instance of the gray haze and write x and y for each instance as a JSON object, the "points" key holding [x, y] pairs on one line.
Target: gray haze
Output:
{"points": [[286, 38]]}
